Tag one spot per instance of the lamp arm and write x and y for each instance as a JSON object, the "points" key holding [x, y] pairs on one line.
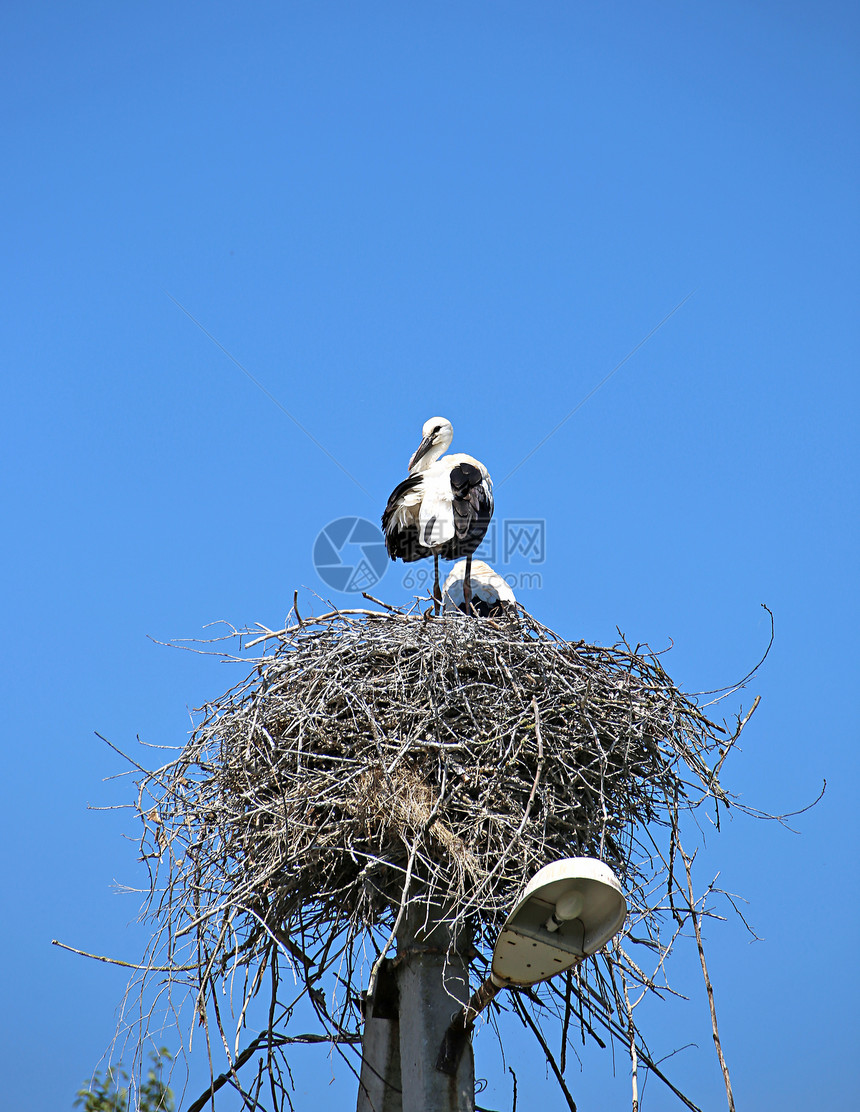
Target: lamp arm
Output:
{"points": [[457, 1034]]}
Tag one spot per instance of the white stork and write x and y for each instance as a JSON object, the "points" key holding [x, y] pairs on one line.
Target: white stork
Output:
{"points": [[491, 595], [442, 509]]}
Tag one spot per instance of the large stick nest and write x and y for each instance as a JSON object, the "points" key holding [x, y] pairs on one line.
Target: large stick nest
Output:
{"points": [[376, 759]]}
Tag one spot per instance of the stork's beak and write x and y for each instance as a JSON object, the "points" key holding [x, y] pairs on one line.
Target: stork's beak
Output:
{"points": [[423, 448]]}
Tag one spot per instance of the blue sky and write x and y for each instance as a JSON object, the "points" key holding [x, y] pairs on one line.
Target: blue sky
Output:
{"points": [[383, 212]]}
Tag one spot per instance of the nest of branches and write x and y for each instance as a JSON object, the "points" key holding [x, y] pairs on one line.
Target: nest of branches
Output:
{"points": [[372, 760]]}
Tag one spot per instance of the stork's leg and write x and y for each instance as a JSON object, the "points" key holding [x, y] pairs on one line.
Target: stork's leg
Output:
{"points": [[467, 587], [437, 590]]}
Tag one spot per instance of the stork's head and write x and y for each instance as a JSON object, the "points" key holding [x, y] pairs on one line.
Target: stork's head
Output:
{"points": [[436, 436]]}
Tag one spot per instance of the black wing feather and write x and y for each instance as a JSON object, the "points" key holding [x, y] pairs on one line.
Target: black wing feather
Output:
{"points": [[403, 544], [473, 508]]}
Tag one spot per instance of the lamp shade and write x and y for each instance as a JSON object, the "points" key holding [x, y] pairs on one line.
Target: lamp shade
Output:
{"points": [[540, 939]]}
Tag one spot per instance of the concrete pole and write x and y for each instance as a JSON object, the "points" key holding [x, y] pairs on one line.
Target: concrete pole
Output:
{"points": [[379, 1088], [432, 986]]}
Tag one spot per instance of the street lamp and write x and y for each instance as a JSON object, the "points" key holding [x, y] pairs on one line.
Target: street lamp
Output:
{"points": [[569, 910]]}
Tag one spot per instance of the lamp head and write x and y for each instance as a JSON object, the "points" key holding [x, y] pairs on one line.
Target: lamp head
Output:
{"points": [[569, 910]]}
